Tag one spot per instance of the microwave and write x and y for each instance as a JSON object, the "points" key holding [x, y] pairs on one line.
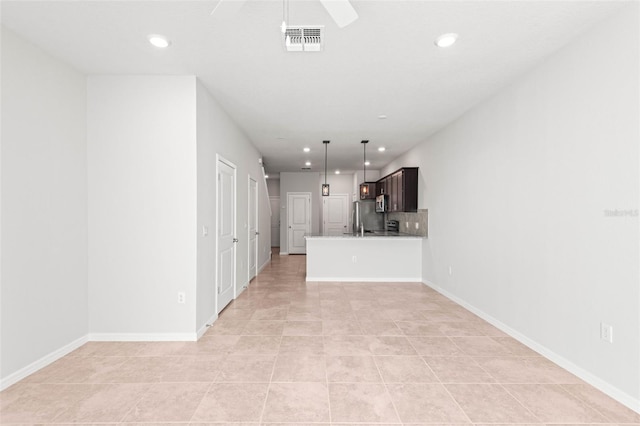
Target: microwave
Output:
{"points": [[382, 202]]}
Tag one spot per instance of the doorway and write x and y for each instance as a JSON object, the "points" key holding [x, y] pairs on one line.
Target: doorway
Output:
{"points": [[335, 214], [275, 221], [226, 233], [253, 228], [299, 221]]}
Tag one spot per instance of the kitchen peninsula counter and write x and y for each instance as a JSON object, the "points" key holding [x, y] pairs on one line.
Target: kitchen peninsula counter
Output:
{"points": [[368, 235], [379, 256]]}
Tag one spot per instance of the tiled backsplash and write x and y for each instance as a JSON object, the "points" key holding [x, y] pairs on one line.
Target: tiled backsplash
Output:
{"points": [[410, 219]]}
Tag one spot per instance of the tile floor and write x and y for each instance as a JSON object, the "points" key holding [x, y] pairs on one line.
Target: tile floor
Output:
{"points": [[318, 354]]}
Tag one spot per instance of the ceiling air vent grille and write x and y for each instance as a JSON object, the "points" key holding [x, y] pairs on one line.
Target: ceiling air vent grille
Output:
{"points": [[305, 38]]}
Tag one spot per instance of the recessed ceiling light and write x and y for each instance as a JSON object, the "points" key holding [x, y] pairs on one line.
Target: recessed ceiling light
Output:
{"points": [[337, 172], [159, 41], [308, 163], [446, 40], [382, 149], [306, 149], [382, 117], [367, 163]]}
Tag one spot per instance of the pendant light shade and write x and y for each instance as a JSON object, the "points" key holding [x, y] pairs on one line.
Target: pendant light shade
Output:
{"points": [[325, 185], [364, 187]]}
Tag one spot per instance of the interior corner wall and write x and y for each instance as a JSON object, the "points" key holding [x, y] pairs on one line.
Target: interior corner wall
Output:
{"points": [[142, 207], [533, 203], [298, 182], [43, 209], [217, 133], [273, 185]]}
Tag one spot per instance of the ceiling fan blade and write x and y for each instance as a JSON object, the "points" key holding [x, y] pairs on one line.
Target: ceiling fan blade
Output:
{"points": [[227, 8], [341, 11]]}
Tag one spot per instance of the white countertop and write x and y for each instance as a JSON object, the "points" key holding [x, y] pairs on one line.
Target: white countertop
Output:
{"points": [[377, 235]]}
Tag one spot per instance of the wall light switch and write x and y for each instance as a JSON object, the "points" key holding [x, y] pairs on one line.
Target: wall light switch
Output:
{"points": [[205, 231], [606, 332], [417, 225]]}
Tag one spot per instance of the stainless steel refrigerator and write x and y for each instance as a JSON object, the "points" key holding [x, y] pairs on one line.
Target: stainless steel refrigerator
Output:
{"points": [[364, 212]]}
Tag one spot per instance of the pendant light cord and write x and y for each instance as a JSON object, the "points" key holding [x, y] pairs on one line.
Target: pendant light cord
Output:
{"points": [[325, 162], [364, 143]]}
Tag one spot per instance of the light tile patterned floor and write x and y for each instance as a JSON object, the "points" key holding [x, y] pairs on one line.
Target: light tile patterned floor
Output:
{"points": [[321, 354]]}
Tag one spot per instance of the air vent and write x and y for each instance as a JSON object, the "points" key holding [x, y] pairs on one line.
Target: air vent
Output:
{"points": [[305, 38], [305, 168]]}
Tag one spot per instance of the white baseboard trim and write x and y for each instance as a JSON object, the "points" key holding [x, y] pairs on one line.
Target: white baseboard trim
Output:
{"points": [[605, 387], [264, 265], [143, 337], [368, 279], [206, 325], [42, 362], [284, 253]]}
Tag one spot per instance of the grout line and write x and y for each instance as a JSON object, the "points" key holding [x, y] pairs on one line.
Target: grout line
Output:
{"points": [[202, 399], [395, 409]]}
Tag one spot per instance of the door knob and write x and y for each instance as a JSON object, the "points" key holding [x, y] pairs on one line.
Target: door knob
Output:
{"points": [[235, 240]]}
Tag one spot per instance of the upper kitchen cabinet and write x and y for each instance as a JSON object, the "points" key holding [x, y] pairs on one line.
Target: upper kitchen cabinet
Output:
{"points": [[382, 186], [402, 188]]}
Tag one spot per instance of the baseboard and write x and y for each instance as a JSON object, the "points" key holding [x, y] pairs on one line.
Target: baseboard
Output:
{"points": [[205, 326], [605, 387], [368, 279], [143, 337], [264, 265], [42, 362], [284, 253]]}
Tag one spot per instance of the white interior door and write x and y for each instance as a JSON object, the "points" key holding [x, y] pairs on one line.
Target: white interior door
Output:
{"points": [[335, 214], [226, 234], [253, 228], [275, 221], [299, 221]]}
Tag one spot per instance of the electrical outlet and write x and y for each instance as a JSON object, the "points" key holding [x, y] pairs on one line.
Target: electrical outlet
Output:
{"points": [[606, 332], [205, 231], [406, 225], [417, 225], [181, 297], [354, 259]]}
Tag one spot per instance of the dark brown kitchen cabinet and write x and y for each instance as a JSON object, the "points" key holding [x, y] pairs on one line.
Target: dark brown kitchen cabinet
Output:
{"points": [[402, 188], [382, 186]]}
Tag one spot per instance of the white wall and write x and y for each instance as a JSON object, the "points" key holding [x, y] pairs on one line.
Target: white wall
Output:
{"points": [[217, 133], [516, 191], [273, 185], [44, 207], [142, 205]]}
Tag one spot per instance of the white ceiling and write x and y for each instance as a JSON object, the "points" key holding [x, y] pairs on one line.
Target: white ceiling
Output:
{"points": [[383, 63]]}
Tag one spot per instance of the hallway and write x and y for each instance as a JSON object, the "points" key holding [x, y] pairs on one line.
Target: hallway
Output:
{"points": [[287, 351]]}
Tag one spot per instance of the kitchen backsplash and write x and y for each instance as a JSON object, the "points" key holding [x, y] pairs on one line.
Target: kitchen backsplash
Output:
{"points": [[408, 222]]}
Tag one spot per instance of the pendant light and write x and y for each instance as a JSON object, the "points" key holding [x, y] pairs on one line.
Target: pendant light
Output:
{"points": [[325, 185], [364, 187]]}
